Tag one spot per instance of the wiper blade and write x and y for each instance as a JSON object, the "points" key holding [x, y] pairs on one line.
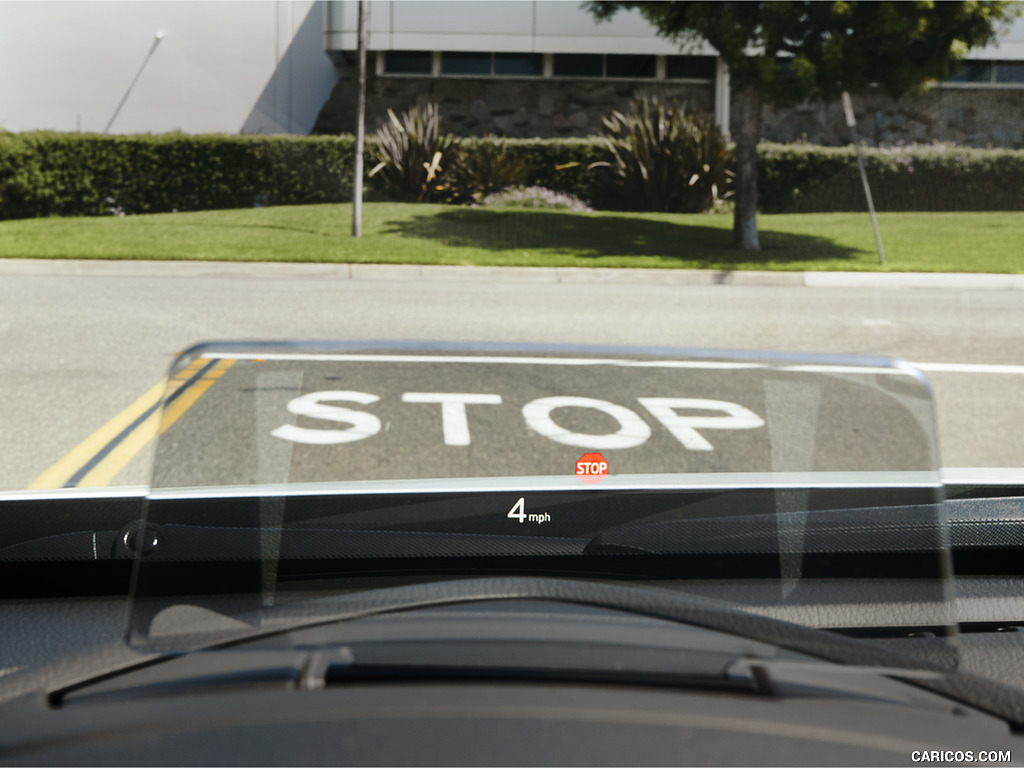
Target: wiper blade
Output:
{"points": [[315, 667], [659, 603]]}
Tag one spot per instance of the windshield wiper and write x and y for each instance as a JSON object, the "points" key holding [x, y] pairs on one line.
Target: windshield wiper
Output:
{"points": [[255, 621], [318, 666]]}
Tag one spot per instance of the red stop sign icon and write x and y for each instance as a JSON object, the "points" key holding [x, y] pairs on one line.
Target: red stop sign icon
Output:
{"points": [[592, 467]]}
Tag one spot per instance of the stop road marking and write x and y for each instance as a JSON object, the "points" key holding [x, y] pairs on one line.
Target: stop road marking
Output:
{"points": [[453, 411], [633, 431]]}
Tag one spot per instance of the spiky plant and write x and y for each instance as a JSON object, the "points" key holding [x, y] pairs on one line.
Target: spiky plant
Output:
{"points": [[667, 159], [406, 149]]}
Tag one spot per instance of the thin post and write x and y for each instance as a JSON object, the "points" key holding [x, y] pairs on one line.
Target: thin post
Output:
{"points": [[851, 121], [357, 181], [156, 41]]}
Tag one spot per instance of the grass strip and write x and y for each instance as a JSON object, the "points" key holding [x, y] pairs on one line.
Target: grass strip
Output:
{"points": [[397, 233]]}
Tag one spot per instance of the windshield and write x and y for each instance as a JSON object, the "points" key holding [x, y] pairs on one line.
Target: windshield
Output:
{"points": [[543, 215], [771, 482]]}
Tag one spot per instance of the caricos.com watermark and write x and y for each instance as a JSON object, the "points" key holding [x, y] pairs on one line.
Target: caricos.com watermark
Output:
{"points": [[960, 756]]}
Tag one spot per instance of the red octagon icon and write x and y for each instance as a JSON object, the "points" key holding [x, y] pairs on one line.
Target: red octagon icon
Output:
{"points": [[592, 468]]}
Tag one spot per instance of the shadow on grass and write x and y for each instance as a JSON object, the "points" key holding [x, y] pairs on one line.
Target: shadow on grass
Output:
{"points": [[620, 235], [220, 224]]}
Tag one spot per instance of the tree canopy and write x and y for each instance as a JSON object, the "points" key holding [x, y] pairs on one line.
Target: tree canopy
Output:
{"points": [[782, 52], [808, 48]]}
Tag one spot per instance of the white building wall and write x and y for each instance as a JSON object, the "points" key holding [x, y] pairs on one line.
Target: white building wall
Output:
{"points": [[239, 66], [1009, 47], [536, 26], [259, 65], [524, 26]]}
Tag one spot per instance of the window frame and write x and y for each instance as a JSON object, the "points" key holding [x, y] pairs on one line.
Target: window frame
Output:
{"points": [[547, 71], [992, 83]]}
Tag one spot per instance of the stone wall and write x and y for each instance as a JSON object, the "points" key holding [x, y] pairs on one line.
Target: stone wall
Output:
{"points": [[505, 107], [550, 107], [976, 117]]}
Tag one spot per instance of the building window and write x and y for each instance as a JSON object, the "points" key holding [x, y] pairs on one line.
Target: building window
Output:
{"points": [[407, 62], [583, 65], [629, 65], [465, 63], [579, 65], [604, 65], [690, 67], [1010, 71], [972, 72], [988, 74], [519, 64], [501, 64]]}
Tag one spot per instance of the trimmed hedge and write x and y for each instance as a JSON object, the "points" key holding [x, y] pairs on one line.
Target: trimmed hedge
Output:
{"points": [[804, 178], [808, 178], [69, 174]]}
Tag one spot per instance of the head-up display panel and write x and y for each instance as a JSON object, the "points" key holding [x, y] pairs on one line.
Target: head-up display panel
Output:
{"points": [[780, 483]]}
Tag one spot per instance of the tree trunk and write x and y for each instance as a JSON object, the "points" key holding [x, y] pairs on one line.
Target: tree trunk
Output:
{"points": [[746, 128]]}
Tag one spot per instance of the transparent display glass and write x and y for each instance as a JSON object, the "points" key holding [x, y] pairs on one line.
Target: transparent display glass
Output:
{"points": [[806, 488]]}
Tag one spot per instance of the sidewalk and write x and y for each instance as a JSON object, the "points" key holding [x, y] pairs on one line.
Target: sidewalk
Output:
{"points": [[411, 272]]}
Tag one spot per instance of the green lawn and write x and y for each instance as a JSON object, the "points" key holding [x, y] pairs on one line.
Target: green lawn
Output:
{"points": [[435, 234]]}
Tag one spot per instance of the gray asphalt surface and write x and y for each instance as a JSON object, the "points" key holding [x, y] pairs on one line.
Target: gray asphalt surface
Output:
{"points": [[326, 418], [81, 341]]}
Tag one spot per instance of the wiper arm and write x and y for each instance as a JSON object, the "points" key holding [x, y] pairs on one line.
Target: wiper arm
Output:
{"points": [[317, 666], [767, 672], [659, 603]]}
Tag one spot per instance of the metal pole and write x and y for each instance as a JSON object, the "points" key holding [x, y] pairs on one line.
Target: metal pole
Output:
{"points": [[156, 41], [357, 182], [851, 121]]}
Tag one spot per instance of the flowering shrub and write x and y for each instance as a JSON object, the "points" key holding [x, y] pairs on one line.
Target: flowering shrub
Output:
{"points": [[113, 207], [535, 197], [481, 167]]}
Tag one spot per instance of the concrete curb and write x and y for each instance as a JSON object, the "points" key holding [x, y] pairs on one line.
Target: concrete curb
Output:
{"points": [[412, 272], [964, 281]]}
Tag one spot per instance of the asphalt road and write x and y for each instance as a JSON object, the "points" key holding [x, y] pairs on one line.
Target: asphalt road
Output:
{"points": [[84, 344], [342, 415]]}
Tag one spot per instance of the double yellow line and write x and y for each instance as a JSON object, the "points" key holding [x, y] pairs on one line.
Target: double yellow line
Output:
{"points": [[97, 459]]}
